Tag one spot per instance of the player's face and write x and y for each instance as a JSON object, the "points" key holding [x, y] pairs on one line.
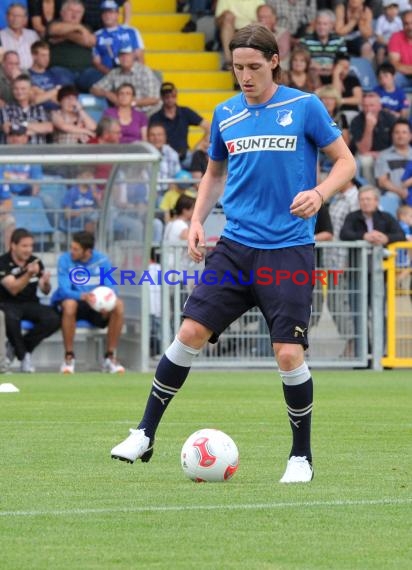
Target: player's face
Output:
{"points": [[78, 253], [254, 74], [368, 202], [22, 250]]}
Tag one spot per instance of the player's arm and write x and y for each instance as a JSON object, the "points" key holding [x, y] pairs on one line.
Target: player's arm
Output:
{"points": [[307, 203], [210, 189]]}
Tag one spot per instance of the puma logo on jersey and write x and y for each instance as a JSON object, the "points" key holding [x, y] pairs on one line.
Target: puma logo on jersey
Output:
{"points": [[228, 109]]}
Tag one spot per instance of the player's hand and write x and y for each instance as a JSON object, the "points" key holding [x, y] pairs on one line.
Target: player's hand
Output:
{"points": [[306, 204], [196, 242]]}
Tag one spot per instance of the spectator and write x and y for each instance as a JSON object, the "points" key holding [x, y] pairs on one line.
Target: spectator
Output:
{"points": [[407, 182], [301, 75], [33, 117], [112, 37], [332, 100], [370, 133], [323, 45], [9, 70], [199, 161], [108, 131], [71, 44], [354, 22], [297, 16], [393, 99], [404, 256], [231, 15], [177, 120], [41, 13], [71, 123], [16, 36], [93, 15], [7, 221], [182, 186], [5, 4], [17, 175], [45, 85], [387, 24], [177, 231], [73, 301], [400, 51], [369, 223], [169, 162], [80, 205], [133, 123], [21, 273], [143, 79], [390, 167], [266, 15], [348, 86]]}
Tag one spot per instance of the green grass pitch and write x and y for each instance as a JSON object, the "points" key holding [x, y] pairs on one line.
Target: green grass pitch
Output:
{"points": [[64, 504]]}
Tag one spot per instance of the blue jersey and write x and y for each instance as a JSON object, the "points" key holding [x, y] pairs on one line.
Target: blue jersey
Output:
{"points": [[110, 40], [272, 153], [396, 100], [75, 199], [15, 176], [70, 276]]}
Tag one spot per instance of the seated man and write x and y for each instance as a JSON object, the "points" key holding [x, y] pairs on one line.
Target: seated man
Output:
{"points": [[20, 275], [16, 36], [73, 300]]}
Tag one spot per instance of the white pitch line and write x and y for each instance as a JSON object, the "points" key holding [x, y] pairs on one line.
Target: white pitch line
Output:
{"points": [[182, 508]]}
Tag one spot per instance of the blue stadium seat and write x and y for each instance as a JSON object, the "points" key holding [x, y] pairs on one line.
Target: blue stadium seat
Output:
{"points": [[364, 71], [29, 213], [94, 106]]}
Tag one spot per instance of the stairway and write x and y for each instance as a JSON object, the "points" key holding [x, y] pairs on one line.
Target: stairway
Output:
{"points": [[181, 58]]}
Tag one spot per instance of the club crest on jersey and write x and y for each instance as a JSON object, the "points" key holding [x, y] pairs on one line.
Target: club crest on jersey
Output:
{"points": [[284, 118]]}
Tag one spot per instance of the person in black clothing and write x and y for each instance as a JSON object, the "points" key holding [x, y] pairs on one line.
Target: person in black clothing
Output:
{"points": [[20, 275]]}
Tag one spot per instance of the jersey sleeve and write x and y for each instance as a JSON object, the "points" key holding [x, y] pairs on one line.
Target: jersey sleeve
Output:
{"points": [[319, 125], [217, 148]]}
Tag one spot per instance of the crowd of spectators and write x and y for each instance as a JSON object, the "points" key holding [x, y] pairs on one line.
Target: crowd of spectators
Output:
{"points": [[53, 53]]}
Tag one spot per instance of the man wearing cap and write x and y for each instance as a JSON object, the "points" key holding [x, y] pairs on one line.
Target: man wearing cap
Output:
{"points": [[112, 37], [177, 121], [143, 79]]}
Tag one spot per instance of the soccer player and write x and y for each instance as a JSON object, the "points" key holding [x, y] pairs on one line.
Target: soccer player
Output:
{"points": [[263, 152]]}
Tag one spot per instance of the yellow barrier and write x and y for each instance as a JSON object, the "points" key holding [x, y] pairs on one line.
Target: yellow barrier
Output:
{"points": [[399, 306]]}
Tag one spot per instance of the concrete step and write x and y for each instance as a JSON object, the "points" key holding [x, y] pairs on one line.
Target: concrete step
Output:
{"points": [[190, 61], [159, 22], [173, 41], [203, 80]]}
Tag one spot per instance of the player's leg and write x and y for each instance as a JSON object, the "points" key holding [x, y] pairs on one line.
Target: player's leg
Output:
{"points": [[170, 375], [286, 306], [116, 318], [68, 324], [298, 393]]}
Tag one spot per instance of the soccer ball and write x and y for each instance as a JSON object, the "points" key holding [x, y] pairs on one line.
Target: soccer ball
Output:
{"points": [[103, 299], [209, 455]]}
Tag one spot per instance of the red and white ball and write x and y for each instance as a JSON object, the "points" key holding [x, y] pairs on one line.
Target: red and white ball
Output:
{"points": [[209, 455], [102, 299]]}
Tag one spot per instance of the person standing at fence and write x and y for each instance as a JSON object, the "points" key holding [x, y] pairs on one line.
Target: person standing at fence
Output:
{"points": [[21, 274], [263, 154]]}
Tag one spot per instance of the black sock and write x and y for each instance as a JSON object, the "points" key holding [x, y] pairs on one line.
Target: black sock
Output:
{"points": [[299, 402], [169, 378]]}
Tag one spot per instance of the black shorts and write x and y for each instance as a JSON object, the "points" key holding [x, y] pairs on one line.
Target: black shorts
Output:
{"points": [[86, 313], [237, 278]]}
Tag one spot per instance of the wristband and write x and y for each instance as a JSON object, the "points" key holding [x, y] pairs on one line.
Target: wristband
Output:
{"points": [[320, 195]]}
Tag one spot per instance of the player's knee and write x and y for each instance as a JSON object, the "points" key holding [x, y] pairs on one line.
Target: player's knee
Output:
{"points": [[288, 356], [69, 307], [193, 334]]}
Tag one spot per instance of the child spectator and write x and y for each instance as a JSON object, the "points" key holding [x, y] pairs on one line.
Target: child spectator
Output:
{"points": [[80, 204], [393, 98], [387, 24], [176, 190]]}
